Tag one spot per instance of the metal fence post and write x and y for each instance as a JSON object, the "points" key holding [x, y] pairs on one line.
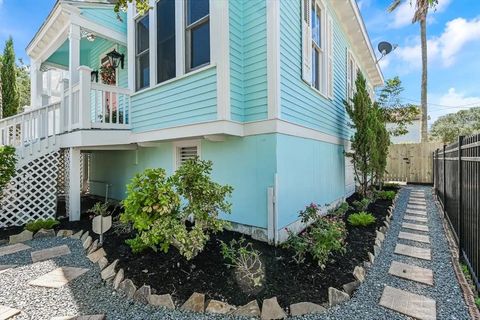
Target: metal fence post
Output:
{"points": [[459, 191], [444, 181]]}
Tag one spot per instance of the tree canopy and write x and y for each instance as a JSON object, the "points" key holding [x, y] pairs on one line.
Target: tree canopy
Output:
{"points": [[463, 123], [141, 5], [401, 115]]}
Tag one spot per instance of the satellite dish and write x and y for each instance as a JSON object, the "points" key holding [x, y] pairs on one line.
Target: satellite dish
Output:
{"points": [[385, 48]]}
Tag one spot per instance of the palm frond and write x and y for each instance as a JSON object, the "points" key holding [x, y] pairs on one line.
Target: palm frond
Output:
{"points": [[394, 5]]}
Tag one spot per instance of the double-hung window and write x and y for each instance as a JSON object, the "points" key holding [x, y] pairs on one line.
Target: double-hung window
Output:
{"points": [[197, 33], [166, 62], [317, 47], [142, 52], [351, 75]]}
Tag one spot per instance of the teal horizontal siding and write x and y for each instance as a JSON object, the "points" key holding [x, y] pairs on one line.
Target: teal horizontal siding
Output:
{"points": [[300, 103], [106, 17], [248, 59], [189, 100], [317, 176]]}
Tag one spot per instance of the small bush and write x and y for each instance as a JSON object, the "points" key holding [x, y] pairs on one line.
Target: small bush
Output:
{"points": [[156, 211], [341, 210], [245, 260], [8, 160], [361, 205], [386, 195], [100, 209], [361, 219], [477, 302], [310, 213], [324, 237], [36, 225]]}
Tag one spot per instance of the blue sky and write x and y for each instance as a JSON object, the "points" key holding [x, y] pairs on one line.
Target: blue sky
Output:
{"points": [[453, 33]]}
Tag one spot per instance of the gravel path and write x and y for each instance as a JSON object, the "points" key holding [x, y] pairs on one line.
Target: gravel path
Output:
{"points": [[446, 291], [87, 295]]}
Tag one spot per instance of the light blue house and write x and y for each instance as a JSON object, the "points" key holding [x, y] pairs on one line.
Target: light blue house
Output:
{"points": [[256, 86]]}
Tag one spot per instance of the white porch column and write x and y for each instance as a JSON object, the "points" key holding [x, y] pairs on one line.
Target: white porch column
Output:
{"points": [[74, 185], [73, 64], [36, 82], [84, 97]]}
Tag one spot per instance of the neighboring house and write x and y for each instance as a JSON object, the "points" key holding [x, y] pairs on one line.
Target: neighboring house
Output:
{"points": [[256, 86]]}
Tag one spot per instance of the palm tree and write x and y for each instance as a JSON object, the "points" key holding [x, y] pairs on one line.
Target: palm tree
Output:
{"points": [[420, 15]]}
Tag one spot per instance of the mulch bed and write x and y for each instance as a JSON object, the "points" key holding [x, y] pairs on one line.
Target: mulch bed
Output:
{"points": [[208, 274]]}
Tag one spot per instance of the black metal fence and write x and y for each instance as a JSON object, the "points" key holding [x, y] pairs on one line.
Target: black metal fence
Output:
{"points": [[456, 171]]}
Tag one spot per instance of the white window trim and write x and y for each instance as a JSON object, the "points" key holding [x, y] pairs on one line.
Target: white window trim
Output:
{"points": [[218, 20], [137, 18], [326, 54], [177, 145], [353, 78]]}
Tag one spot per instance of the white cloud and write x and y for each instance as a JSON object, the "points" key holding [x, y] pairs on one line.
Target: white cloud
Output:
{"points": [[442, 50], [403, 14], [362, 4], [450, 102]]}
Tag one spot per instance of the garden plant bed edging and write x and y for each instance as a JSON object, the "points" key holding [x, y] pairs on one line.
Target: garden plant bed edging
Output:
{"points": [[219, 284], [271, 308]]}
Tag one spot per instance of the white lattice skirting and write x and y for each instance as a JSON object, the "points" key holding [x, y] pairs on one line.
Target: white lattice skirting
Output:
{"points": [[32, 193]]}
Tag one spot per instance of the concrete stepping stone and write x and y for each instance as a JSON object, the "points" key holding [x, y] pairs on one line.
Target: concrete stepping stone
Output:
{"points": [[414, 226], [415, 252], [50, 253], [415, 218], [6, 267], [13, 248], [58, 277], [414, 207], [91, 317], [417, 201], [7, 312], [409, 304], [411, 272], [414, 237], [417, 212]]}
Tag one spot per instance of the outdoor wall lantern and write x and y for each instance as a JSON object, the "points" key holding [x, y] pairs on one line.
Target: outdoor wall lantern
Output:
{"points": [[94, 76], [116, 59]]}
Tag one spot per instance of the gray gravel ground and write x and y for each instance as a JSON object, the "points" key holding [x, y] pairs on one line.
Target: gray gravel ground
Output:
{"points": [[87, 295]]}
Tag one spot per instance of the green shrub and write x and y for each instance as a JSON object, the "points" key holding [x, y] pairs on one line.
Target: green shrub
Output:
{"points": [[324, 237], [477, 302], [361, 205], [8, 160], [245, 260], [341, 210], [309, 214], [361, 219], [153, 205], [36, 225], [386, 195], [100, 209]]}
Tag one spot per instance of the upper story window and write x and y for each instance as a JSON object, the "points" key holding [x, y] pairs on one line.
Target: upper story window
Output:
{"points": [[352, 70], [197, 33], [142, 52], [166, 60], [317, 47]]}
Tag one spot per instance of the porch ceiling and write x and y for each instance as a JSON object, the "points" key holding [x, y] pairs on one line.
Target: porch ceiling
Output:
{"points": [[59, 58], [51, 39]]}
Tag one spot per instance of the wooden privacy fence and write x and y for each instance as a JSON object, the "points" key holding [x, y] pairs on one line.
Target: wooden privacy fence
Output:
{"points": [[411, 162], [457, 187]]}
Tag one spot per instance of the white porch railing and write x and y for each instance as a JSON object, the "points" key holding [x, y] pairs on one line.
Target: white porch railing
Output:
{"points": [[88, 106]]}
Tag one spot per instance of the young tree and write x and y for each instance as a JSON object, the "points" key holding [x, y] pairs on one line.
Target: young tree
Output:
{"points": [[420, 15], [8, 73], [141, 5], [382, 142], [360, 110], [23, 84], [401, 115]]}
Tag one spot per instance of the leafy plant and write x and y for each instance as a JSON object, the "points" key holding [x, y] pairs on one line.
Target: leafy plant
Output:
{"points": [[8, 161], [244, 259], [341, 210], [477, 302], [158, 215], [386, 195], [325, 236], [361, 205], [100, 209], [38, 224], [310, 213], [361, 219]]}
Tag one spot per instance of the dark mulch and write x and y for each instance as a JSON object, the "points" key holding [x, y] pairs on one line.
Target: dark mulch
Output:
{"points": [[207, 273]]}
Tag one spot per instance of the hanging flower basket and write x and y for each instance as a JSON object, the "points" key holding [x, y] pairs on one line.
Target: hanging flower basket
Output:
{"points": [[107, 73]]}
